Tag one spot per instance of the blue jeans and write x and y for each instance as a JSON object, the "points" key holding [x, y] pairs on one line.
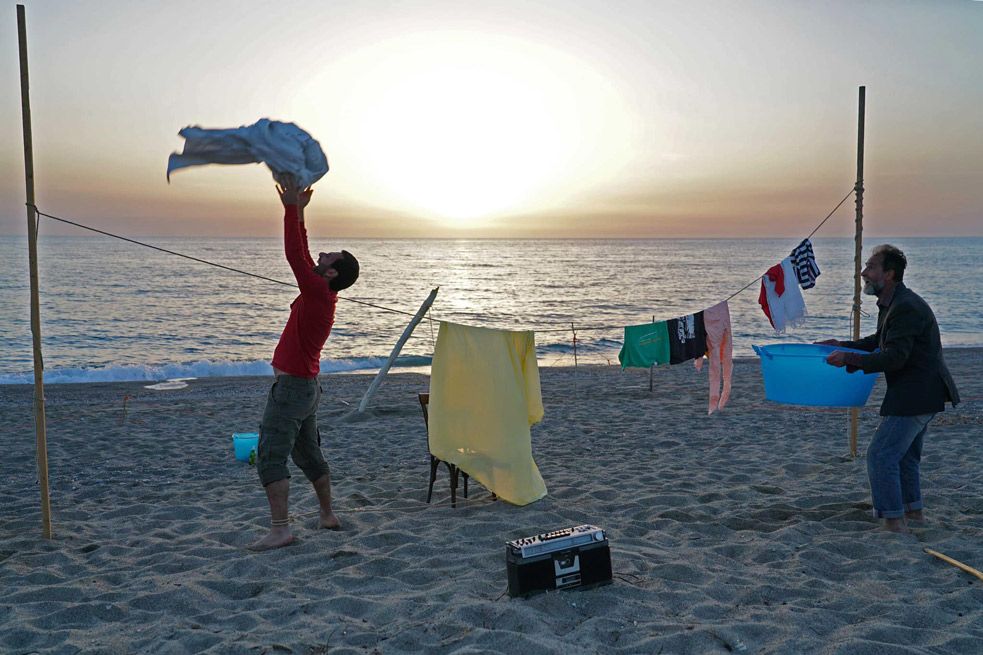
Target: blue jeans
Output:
{"points": [[892, 465]]}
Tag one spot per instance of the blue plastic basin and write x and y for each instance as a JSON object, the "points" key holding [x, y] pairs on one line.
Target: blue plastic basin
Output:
{"points": [[244, 443], [797, 374]]}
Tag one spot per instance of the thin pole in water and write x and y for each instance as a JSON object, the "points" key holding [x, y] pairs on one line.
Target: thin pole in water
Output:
{"points": [[575, 384], [652, 367], [32, 246]]}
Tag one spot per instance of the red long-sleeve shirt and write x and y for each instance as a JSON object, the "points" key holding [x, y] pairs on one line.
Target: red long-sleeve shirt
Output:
{"points": [[311, 313]]}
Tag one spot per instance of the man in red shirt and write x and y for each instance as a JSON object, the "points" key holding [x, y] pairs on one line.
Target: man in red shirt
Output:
{"points": [[289, 426]]}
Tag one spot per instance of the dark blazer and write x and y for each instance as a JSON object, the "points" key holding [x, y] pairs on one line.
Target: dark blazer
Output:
{"points": [[910, 356]]}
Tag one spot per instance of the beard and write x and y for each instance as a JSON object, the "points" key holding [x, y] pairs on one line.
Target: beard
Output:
{"points": [[321, 269], [873, 288]]}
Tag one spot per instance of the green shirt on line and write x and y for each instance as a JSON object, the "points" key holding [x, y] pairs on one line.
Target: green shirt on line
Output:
{"points": [[645, 345]]}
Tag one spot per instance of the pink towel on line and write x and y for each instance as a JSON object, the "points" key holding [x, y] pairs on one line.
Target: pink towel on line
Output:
{"points": [[720, 351]]}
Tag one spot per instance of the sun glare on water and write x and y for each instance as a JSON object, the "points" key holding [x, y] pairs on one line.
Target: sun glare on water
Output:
{"points": [[466, 129]]}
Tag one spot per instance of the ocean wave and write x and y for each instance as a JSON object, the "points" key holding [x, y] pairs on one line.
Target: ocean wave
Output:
{"points": [[200, 369]]}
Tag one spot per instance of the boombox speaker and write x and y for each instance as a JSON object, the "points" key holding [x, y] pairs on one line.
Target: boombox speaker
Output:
{"points": [[571, 558]]}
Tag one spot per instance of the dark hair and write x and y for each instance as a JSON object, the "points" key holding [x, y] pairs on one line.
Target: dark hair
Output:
{"points": [[892, 259], [347, 267]]}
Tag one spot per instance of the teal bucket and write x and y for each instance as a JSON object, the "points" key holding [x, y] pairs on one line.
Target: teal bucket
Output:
{"points": [[244, 443], [797, 374]]}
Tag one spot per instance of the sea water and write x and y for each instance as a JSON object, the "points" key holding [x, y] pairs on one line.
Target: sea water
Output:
{"points": [[113, 310]]}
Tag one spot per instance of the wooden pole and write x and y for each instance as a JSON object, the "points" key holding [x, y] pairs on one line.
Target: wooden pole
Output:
{"points": [[960, 565], [652, 367], [399, 346], [32, 247], [574, 330], [858, 252], [576, 387]]}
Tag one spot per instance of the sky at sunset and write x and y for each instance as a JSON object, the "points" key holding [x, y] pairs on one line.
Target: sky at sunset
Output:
{"points": [[558, 118]]}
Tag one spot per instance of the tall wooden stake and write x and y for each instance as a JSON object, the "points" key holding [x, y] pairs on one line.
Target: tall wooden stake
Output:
{"points": [[858, 253], [32, 246]]}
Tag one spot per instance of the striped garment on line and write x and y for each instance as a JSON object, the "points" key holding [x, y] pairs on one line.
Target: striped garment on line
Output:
{"points": [[804, 262]]}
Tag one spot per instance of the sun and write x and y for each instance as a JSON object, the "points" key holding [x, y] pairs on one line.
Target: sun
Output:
{"points": [[466, 128], [464, 140]]}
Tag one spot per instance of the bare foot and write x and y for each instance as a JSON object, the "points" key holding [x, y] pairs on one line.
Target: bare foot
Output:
{"points": [[277, 538], [916, 515], [329, 522], [895, 525]]}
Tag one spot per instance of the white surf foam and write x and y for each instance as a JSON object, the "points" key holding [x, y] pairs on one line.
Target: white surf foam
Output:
{"points": [[199, 369]]}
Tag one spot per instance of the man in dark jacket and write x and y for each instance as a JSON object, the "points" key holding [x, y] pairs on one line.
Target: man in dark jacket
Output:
{"points": [[918, 385]]}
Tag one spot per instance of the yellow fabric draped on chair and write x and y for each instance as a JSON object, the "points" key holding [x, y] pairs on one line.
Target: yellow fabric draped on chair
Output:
{"points": [[484, 396]]}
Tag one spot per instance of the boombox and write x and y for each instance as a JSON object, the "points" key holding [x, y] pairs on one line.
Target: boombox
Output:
{"points": [[562, 559]]}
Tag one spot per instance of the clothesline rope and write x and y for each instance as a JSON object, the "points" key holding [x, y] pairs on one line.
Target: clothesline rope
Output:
{"points": [[390, 309], [203, 261], [757, 279], [742, 289]]}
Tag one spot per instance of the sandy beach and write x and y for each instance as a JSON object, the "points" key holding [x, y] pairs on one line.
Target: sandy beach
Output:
{"points": [[748, 531]]}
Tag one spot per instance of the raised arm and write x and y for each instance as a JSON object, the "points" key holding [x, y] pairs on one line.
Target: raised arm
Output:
{"points": [[294, 200], [303, 199]]}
